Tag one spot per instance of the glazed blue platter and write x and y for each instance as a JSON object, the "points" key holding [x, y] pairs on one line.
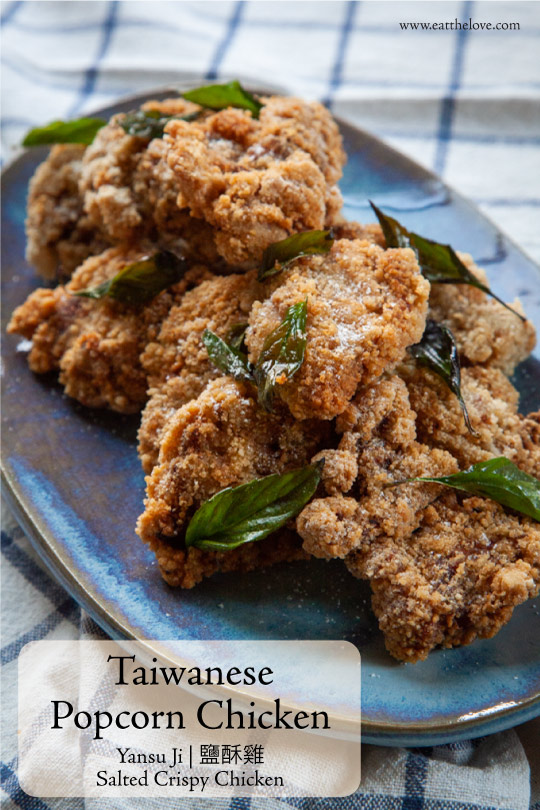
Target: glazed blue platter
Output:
{"points": [[73, 479]]}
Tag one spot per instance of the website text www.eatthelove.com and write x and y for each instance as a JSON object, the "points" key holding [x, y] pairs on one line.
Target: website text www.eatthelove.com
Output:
{"points": [[456, 25]]}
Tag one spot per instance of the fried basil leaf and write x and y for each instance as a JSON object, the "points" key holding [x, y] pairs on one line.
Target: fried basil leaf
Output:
{"points": [[438, 351], [149, 124], [281, 356], [236, 335], [141, 281], [251, 511], [221, 96], [282, 353], [227, 357], [83, 130], [439, 263], [279, 254], [500, 480]]}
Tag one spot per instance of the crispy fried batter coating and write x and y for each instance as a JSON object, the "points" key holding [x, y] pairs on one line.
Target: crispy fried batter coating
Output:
{"points": [[130, 192], [177, 362], [257, 181], [486, 333], [59, 235], [155, 189], [444, 568], [106, 178], [458, 577], [220, 439], [492, 403], [96, 344], [365, 306], [343, 229], [185, 568], [378, 447]]}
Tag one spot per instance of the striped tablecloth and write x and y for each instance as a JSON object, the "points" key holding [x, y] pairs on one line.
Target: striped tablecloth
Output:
{"points": [[462, 102]]}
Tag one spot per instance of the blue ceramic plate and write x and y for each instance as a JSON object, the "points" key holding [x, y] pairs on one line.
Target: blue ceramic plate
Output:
{"points": [[74, 480]]}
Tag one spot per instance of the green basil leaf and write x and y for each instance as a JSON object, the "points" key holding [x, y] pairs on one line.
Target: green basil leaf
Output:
{"points": [[141, 281], [149, 124], [221, 96], [395, 234], [439, 263], [279, 254], [251, 511], [282, 353], [500, 480], [227, 357], [83, 130], [236, 336], [438, 351]]}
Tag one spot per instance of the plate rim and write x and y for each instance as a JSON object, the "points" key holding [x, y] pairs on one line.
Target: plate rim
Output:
{"points": [[379, 733]]}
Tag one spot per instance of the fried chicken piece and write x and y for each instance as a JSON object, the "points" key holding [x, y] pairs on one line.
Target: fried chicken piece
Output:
{"points": [[365, 306], [130, 192], [106, 180], [96, 344], [378, 447], [457, 578], [343, 229], [177, 363], [155, 189], [258, 181], [185, 568], [221, 439], [59, 235], [492, 403], [486, 332]]}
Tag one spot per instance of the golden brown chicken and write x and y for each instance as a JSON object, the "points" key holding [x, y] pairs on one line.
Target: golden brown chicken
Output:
{"points": [[218, 440], [96, 344]]}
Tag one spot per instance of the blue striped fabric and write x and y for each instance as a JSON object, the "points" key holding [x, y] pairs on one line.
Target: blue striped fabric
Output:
{"points": [[448, 105], [462, 102]]}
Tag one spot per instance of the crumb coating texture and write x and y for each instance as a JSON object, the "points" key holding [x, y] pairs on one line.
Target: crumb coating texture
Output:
{"points": [[457, 578], [257, 181], [59, 234], [96, 344], [177, 362], [220, 439], [365, 306]]}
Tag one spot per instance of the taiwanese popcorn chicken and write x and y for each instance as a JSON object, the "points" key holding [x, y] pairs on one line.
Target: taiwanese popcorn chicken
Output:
{"points": [[443, 568], [59, 234], [365, 306], [378, 448], [129, 191], [218, 440], [492, 404], [218, 189], [486, 332], [458, 577], [177, 363], [95, 344], [257, 181]]}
